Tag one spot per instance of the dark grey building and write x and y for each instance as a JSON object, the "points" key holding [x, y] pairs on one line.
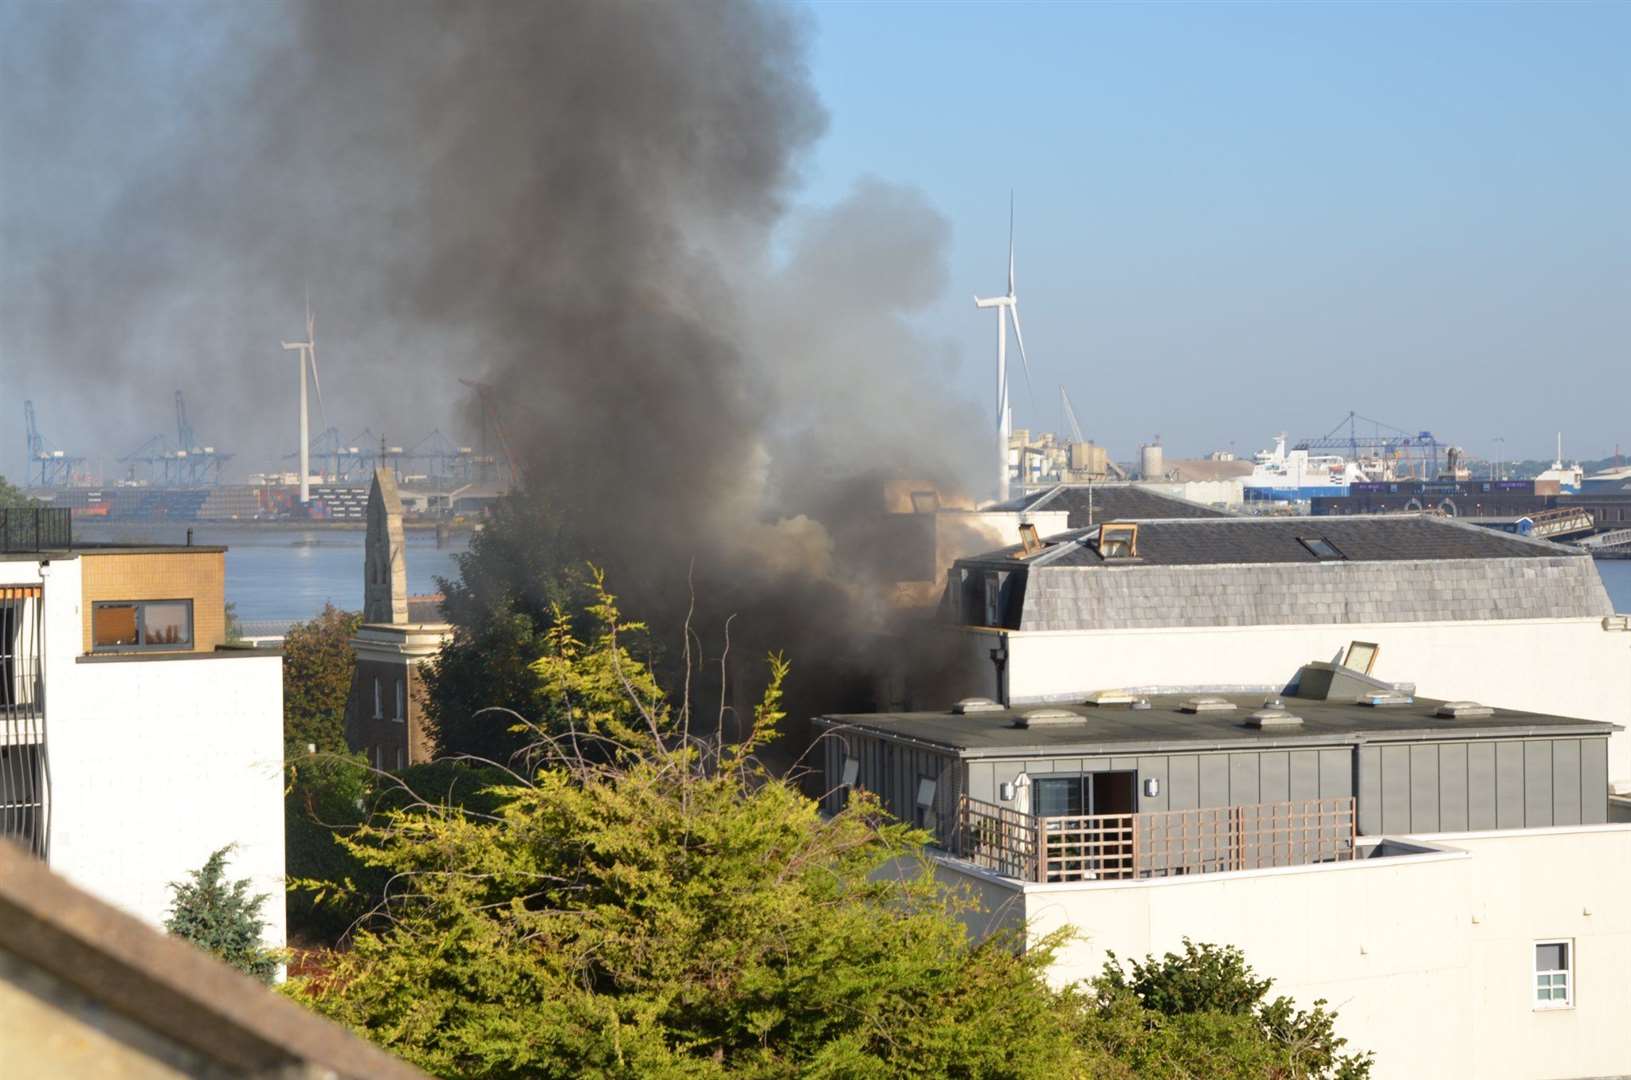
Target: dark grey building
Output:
{"points": [[1090, 504], [1334, 755]]}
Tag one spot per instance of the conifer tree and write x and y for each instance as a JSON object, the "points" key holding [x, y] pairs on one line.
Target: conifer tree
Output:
{"points": [[222, 918]]}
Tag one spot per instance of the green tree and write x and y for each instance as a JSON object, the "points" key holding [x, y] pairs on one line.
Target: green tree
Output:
{"points": [[1204, 1012], [520, 570], [222, 918], [318, 666], [10, 496], [643, 903], [633, 900]]}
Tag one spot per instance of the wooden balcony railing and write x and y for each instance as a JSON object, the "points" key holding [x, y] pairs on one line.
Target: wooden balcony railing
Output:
{"points": [[1110, 847]]}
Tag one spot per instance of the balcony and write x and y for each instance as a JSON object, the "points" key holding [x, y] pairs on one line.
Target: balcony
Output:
{"points": [[1125, 847], [23, 773], [35, 528]]}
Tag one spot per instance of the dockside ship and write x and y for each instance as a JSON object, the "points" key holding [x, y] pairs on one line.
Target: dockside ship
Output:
{"points": [[1281, 475]]}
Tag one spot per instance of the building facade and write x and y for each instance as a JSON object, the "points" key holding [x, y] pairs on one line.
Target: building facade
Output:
{"points": [[385, 715], [137, 740], [1463, 611]]}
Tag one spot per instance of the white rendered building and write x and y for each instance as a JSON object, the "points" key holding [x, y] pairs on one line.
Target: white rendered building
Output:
{"points": [[133, 740], [1464, 612], [1442, 873]]}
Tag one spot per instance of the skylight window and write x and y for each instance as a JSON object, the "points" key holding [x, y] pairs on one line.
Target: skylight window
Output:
{"points": [[1118, 541], [1320, 547]]}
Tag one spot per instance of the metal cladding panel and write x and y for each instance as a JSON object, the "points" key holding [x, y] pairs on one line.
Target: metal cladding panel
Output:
{"points": [[1424, 802], [1214, 780], [1566, 782], [1245, 779], [1594, 781], [1274, 770], [1454, 805], [1481, 787], [1154, 768], [1338, 774], [1184, 790], [1303, 774], [1369, 769], [1509, 785], [1396, 789], [982, 781], [1537, 784]]}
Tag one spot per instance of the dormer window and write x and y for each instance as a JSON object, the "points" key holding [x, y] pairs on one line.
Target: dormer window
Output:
{"points": [[1321, 548], [1118, 541], [1029, 540]]}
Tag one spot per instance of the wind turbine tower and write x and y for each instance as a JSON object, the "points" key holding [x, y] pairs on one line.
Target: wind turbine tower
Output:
{"points": [[1006, 304], [308, 354]]}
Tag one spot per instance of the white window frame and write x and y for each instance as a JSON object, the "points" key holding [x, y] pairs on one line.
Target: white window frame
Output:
{"points": [[1567, 971], [401, 716], [379, 702]]}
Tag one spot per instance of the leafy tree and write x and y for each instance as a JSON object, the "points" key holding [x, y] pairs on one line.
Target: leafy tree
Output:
{"points": [[1203, 1012], [11, 496], [318, 666], [519, 571], [634, 900], [222, 918], [662, 906]]}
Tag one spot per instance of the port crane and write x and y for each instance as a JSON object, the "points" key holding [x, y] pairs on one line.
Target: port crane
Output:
{"points": [[493, 422], [196, 465], [56, 467], [1418, 452]]}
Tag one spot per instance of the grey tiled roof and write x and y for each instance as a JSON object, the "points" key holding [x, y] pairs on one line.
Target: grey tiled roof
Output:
{"points": [[1256, 572], [1231, 540], [1090, 504]]}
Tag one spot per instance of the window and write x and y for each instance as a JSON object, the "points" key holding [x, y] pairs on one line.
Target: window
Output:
{"points": [[1029, 540], [1361, 656], [851, 772], [122, 626], [1554, 966], [926, 818], [1077, 794], [399, 759], [399, 712], [1320, 547], [379, 703], [1118, 541]]}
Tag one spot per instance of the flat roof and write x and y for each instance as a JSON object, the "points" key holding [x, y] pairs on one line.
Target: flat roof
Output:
{"points": [[1163, 728], [75, 550]]}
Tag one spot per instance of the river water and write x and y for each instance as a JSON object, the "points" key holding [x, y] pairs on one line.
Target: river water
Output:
{"points": [[283, 574], [277, 575]]}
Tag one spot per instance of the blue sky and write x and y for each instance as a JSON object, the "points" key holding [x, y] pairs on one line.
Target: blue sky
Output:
{"points": [[1240, 218]]}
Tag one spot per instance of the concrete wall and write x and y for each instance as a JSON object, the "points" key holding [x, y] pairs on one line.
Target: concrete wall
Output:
{"points": [[182, 575], [157, 760], [1568, 667], [155, 763], [1426, 958]]}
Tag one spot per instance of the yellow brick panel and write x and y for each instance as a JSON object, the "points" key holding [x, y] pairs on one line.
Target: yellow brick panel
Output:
{"points": [[199, 576]]}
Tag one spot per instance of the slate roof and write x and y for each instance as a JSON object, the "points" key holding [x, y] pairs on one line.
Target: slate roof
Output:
{"points": [[1119, 729], [1110, 502], [1090, 504], [1237, 540]]}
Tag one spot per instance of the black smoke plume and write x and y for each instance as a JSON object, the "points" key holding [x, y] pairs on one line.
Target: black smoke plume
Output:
{"points": [[588, 204]]}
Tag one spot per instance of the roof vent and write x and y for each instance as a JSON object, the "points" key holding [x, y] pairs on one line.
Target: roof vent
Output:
{"points": [[1048, 718], [1273, 718], [1460, 710], [1207, 704], [1381, 698], [975, 705], [1111, 697]]}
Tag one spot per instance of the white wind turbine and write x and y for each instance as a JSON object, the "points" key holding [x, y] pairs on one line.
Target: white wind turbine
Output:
{"points": [[308, 354], [1005, 414]]}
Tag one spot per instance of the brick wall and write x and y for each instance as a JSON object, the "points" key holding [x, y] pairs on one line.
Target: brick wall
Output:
{"points": [[199, 576]]}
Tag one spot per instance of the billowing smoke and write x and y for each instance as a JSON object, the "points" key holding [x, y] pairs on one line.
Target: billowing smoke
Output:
{"points": [[589, 205]]}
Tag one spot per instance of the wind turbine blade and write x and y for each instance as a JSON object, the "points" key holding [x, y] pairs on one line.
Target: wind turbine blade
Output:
{"points": [[1013, 309], [1010, 243]]}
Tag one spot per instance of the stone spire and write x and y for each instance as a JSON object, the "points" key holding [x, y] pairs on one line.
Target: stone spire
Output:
{"points": [[385, 584]]}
